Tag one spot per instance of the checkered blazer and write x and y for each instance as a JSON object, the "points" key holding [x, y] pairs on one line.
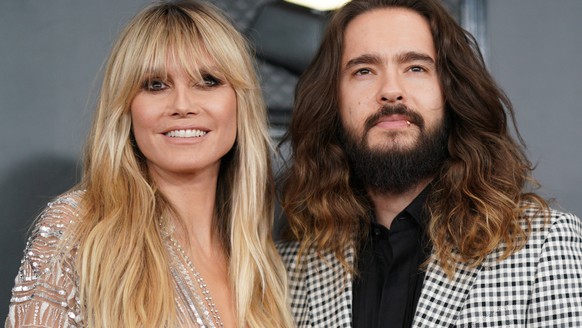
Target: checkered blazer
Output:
{"points": [[538, 286]]}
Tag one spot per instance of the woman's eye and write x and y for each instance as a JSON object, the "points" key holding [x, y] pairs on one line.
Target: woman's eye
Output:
{"points": [[210, 81], [154, 85]]}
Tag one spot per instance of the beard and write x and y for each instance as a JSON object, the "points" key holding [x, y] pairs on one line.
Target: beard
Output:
{"points": [[396, 168]]}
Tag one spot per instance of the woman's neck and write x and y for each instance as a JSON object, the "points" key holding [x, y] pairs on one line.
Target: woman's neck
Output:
{"points": [[193, 199]]}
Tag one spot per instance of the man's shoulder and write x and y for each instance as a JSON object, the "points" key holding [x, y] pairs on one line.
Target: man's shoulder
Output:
{"points": [[552, 219], [289, 251], [288, 248], [551, 232], [294, 257], [565, 226]]}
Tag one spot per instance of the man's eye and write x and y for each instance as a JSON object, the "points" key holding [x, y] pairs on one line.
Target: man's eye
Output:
{"points": [[154, 85], [210, 81], [363, 71], [417, 69]]}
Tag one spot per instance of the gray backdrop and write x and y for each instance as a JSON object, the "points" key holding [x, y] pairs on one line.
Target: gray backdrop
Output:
{"points": [[534, 53], [51, 52]]}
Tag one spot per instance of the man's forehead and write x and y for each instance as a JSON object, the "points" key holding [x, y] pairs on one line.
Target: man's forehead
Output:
{"points": [[387, 31]]}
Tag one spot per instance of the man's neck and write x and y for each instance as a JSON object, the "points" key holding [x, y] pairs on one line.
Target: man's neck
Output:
{"points": [[388, 205]]}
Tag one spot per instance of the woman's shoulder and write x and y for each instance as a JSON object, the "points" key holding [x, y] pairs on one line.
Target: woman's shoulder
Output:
{"points": [[61, 214], [45, 291], [69, 201], [52, 242], [57, 224]]}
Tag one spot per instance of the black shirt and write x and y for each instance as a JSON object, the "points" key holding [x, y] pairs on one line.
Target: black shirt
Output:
{"points": [[387, 288]]}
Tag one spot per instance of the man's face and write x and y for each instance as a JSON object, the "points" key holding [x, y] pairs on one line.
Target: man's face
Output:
{"points": [[391, 101], [389, 59]]}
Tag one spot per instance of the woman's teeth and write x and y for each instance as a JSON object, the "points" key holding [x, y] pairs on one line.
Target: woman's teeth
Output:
{"points": [[185, 133]]}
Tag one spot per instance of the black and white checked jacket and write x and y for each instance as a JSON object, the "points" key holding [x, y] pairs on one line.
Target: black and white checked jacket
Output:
{"points": [[538, 286]]}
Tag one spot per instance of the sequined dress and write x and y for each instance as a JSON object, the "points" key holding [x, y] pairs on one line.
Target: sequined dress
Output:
{"points": [[46, 287]]}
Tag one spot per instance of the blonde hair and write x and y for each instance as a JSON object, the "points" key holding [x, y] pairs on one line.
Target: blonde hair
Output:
{"points": [[122, 262]]}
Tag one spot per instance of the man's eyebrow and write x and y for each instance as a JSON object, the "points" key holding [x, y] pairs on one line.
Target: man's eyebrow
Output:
{"points": [[410, 56], [363, 59], [373, 59]]}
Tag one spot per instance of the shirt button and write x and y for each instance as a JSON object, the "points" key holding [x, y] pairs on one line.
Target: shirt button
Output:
{"points": [[376, 232]]}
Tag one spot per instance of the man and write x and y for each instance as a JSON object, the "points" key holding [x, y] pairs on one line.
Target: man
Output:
{"points": [[407, 196]]}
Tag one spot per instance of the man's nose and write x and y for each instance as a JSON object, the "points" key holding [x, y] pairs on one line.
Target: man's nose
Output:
{"points": [[390, 89]]}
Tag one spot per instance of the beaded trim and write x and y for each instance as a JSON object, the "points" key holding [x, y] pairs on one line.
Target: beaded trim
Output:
{"points": [[195, 292]]}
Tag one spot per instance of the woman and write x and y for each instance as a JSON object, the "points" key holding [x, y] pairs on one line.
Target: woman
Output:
{"points": [[171, 223]]}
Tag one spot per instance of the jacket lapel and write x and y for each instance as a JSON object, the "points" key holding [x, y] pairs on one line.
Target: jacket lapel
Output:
{"points": [[442, 299], [330, 290]]}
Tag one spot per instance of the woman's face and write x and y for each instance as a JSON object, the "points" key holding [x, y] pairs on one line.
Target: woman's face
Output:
{"points": [[183, 126]]}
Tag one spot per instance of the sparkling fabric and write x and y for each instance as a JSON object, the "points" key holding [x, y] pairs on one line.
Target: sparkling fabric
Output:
{"points": [[46, 287], [45, 291]]}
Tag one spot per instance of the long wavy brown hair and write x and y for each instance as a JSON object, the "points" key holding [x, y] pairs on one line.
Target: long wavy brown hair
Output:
{"points": [[477, 197]]}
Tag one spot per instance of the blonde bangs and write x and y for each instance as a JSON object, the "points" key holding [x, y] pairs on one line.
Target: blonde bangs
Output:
{"points": [[187, 40]]}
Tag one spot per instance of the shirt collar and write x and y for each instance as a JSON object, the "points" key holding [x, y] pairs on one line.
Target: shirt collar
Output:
{"points": [[417, 208]]}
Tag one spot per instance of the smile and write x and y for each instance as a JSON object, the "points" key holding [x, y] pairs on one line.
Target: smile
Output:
{"points": [[185, 133]]}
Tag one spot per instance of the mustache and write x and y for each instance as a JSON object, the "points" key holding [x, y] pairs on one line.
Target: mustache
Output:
{"points": [[399, 109]]}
